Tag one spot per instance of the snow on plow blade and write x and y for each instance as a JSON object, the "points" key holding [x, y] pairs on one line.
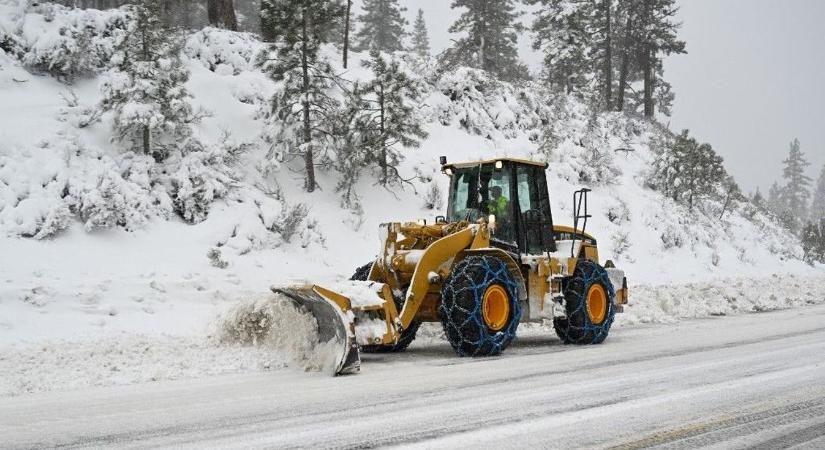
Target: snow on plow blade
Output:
{"points": [[334, 325]]}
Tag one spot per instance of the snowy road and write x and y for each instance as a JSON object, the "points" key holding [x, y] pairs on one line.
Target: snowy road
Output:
{"points": [[749, 381]]}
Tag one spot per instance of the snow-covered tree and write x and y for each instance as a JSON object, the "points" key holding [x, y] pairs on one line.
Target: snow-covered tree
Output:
{"points": [[420, 38], [302, 111], [352, 143], [277, 13], [391, 117], [818, 205], [563, 32], [757, 199], [145, 90], [72, 44], [795, 194], [577, 39], [730, 194], [382, 26], [813, 242], [491, 40], [773, 202], [688, 171], [658, 37]]}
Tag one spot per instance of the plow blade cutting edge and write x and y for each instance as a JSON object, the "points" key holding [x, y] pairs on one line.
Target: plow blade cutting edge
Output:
{"points": [[333, 325]]}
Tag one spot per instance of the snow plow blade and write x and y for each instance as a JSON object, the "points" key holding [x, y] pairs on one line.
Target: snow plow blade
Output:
{"points": [[333, 325]]}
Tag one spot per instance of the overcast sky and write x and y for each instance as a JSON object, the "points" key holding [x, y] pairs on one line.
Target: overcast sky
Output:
{"points": [[753, 78]]}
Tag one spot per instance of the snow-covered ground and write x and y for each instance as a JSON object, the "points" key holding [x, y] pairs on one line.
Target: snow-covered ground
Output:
{"points": [[110, 306], [735, 382]]}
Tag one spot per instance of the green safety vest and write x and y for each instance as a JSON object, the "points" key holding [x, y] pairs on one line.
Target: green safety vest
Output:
{"points": [[498, 207]]}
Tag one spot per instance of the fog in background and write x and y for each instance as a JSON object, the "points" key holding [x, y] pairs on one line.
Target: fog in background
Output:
{"points": [[753, 78]]}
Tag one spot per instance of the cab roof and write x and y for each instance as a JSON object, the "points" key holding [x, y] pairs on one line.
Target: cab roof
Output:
{"points": [[463, 164]]}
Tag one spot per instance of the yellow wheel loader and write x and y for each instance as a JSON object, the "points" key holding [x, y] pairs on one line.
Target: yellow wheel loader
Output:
{"points": [[496, 259]]}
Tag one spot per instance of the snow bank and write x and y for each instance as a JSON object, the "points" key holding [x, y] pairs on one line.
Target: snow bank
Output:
{"points": [[730, 296], [125, 359]]}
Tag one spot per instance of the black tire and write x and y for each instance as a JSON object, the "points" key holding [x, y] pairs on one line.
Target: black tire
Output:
{"points": [[407, 336], [579, 327], [461, 306]]}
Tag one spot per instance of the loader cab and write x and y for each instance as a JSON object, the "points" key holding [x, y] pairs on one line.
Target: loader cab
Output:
{"points": [[511, 194]]}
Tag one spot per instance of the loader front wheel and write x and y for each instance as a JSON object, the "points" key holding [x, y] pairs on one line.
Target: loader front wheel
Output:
{"points": [[479, 306], [590, 306], [407, 336]]}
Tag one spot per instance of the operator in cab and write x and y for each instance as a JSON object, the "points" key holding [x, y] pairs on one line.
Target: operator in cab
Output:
{"points": [[498, 203]]}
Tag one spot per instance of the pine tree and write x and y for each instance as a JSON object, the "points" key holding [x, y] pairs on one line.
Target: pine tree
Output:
{"points": [[795, 194], [663, 95], [352, 143], [562, 32], [382, 26], [658, 37], [145, 89], [732, 192], [420, 38], [818, 205], [758, 200], [812, 239], [688, 171], [274, 17], [491, 40], [587, 45], [774, 198], [390, 116], [303, 109]]}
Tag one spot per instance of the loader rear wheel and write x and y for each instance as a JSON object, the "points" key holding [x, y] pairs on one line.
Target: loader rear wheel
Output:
{"points": [[407, 336], [591, 306], [479, 306]]}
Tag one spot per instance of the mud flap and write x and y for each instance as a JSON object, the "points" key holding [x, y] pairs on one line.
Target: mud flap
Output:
{"points": [[333, 325]]}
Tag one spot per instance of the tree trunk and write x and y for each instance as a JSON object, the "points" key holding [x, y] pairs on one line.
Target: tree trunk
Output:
{"points": [[625, 68], [147, 140], [383, 161], [346, 31], [481, 53], [649, 79], [309, 159], [648, 54], [608, 57], [725, 206], [222, 14]]}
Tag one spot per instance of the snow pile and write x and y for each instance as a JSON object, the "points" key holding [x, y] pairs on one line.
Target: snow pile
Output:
{"points": [[362, 294], [669, 303], [274, 322]]}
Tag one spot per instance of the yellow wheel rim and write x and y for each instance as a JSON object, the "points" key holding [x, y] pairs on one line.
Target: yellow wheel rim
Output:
{"points": [[495, 307], [596, 304]]}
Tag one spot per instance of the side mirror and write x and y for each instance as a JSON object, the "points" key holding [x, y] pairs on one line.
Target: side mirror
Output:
{"points": [[442, 160]]}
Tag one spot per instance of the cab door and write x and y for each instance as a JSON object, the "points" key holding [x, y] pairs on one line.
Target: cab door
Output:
{"points": [[535, 221]]}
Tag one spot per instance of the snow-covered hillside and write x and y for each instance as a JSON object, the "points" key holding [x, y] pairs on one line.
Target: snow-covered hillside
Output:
{"points": [[93, 244]]}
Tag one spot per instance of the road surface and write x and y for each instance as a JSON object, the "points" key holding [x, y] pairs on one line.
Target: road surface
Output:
{"points": [[753, 381]]}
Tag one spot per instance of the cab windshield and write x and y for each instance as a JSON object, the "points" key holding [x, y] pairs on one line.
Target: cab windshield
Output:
{"points": [[480, 191]]}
